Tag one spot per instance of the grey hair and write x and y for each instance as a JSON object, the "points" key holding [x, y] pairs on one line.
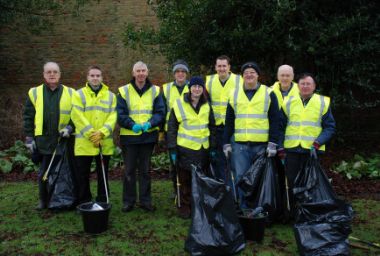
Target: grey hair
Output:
{"points": [[51, 63], [139, 64]]}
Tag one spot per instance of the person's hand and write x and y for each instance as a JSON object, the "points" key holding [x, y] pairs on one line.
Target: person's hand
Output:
{"points": [[315, 146], [282, 155], [271, 149], [30, 144], [146, 126], [213, 154], [227, 150], [96, 137], [136, 128], [65, 132]]}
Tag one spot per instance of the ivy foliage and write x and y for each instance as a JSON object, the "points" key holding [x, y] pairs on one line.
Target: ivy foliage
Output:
{"points": [[360, 167], [338, 41], [16, 156]]}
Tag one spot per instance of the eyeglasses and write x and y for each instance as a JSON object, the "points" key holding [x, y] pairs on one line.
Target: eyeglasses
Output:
{"points": [[50, 72], [95, 75]]}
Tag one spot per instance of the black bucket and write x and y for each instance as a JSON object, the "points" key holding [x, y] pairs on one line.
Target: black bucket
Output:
{"points": [[94, 221], [254, 227]]}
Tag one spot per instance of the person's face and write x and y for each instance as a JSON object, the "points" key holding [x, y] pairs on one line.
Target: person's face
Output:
{"points": [[140, 74], [180, 76], [222, 68], [196, 90], [306, 87], [52, 74], [94, 77], [285, 76], [250, 76]]}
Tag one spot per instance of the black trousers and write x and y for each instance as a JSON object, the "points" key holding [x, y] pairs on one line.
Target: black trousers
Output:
{"points": [[43, 185], [294, 163], [83, 169], [137, 157]]}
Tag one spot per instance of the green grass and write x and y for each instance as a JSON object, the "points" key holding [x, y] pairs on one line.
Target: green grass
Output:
{"points": [[24, 231]]}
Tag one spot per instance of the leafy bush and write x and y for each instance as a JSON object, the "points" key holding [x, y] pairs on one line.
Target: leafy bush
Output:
{"points": [[160, 162], [359, 167], [16, 156]]}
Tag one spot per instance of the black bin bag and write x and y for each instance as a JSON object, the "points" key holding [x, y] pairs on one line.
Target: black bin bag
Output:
{"points": [[60, 182], [261, 188], [323, 221], [215, 227]]}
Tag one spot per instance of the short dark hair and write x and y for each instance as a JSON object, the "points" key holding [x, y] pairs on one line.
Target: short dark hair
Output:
{"points": [[224, 57], [94, 67], [304, 75]]}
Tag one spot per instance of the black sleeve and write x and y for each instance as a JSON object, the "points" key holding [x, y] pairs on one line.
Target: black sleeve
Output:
{"points": [[158, 111], [123, 114], [274, 119], [229, 125], [283, 124], [212, 127], [172, 130], [29, 114]]}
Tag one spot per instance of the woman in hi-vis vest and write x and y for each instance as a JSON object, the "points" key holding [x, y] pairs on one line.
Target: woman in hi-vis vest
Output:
{"points": [[191, 139]]}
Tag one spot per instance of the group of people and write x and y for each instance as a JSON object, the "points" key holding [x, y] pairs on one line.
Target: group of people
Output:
{"points": [[226, 118]]}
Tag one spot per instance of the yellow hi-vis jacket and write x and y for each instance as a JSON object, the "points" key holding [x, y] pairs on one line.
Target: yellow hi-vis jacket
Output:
{"points": [[36, 96], [171, 95], [92, 113], [140, 108], [193, 131], [304, 123], [294, 91], [251, 116], [219, 94]]}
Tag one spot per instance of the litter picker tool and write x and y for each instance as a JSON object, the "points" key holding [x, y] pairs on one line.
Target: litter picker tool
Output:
{"points": [[103, 172], [44, 178]]}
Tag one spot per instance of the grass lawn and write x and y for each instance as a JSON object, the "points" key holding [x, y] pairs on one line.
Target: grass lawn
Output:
{"points": [[24, 231]]}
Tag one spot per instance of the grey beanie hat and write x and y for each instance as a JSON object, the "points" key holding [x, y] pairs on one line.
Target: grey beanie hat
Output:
{"points": [[180, 64]]}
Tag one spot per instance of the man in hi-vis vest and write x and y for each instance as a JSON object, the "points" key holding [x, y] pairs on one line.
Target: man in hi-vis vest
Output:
{"points": [[285, 86], [171, 92], [219, 87], [46, 118], [307, 124], [252, 123], [141, 110], [94, 117], [191, 136]]}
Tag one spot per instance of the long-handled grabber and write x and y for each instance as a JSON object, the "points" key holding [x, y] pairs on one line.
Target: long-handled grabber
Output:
{"points": [[44, 178], [104, 172]]}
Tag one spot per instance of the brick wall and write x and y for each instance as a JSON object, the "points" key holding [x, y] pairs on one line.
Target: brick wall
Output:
{"points": [[75, 42]]}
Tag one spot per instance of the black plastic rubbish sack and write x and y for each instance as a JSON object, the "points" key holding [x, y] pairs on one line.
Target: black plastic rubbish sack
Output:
{"points": [[260, 184], [215, 227], [60, 182], [323, 221]]}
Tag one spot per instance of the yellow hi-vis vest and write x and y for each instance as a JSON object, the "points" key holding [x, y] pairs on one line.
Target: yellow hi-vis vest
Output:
{"points": [[171, 95], [251, 116], [193, 132], [140, 108], [294, 91], [92, 113], [36, 96], [219, 94], [304, 123]]}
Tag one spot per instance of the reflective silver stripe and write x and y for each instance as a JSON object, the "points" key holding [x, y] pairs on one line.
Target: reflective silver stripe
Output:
{"points": [[322, 107], [82, 97], [195, 139], [266, 100], [252, 131], [210, 85], [65, 112], [136, 112], [235, 98], [168, 88], [105, 110], [34, 91], [219, 103], [70, 91], [184, 119], [304, 123], [109, 128], [219, 115], [295, 137], [260, 116], [237, 81], [288, 105], [81, 136], [153, 93], [79, 108], [106, 102], [85, 129], [127, 96]]}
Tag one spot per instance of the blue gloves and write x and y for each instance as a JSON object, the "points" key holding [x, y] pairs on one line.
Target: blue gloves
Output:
{"points": [[213, 155], [146, 126], [173, 156], [136, 128]]}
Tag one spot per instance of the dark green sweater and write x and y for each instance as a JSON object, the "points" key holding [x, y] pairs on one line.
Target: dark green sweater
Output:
{"points": [[47, 142]]}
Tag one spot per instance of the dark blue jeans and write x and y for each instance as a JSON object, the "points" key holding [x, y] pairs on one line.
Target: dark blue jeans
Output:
{"points": [[241, 159]]}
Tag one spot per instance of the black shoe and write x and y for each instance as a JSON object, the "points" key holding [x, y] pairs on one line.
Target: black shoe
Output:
{"points": [[148, 207], [127, 208], [41, 205]]}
